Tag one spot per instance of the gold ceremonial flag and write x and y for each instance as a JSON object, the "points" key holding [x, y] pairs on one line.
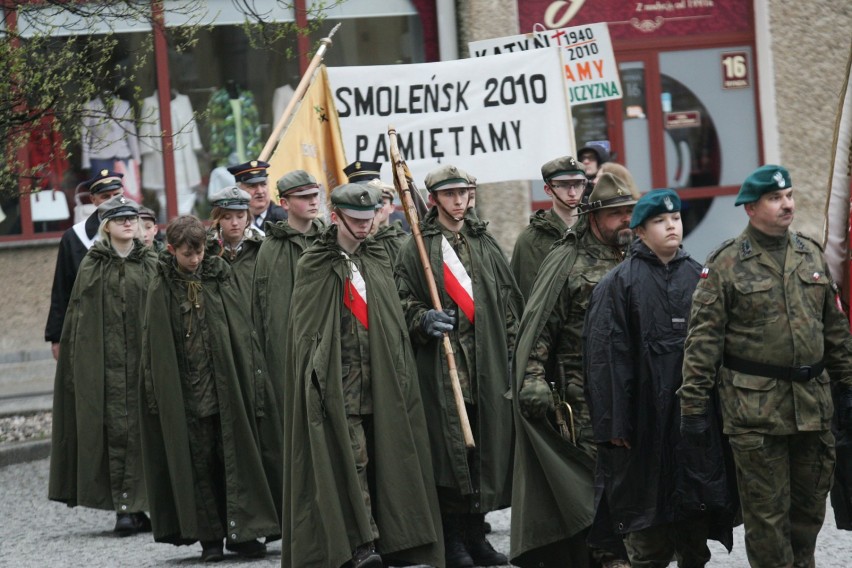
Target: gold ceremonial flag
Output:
{"points": [[312, 140]]}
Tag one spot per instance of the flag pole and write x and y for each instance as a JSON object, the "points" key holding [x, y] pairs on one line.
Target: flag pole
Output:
{"points": [[300, 91]]}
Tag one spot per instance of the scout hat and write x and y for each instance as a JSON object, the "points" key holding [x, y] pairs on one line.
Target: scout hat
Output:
{"points": [[104, 180], [145, 213], [562, 168], [610, 191], [355, 200], [384, 189], [250, 172], [360, 172], [447, 177], [653, 203], [231, 197], [297, 182], [117, 206], [763, 180]]}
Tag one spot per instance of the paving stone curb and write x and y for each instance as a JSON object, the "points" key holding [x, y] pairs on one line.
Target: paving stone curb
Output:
{"points": [[22, 452]]}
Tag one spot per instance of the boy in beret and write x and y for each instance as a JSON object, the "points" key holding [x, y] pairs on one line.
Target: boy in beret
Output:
{"points": [[252, 177], [664, 501], [553, 481], [482, 307], [564, 182], [275, 272], [766, 327], [203, 470], [73, 246], [358, 486]]}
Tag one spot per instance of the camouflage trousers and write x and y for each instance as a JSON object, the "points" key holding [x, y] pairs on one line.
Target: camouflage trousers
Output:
{"points": [[359, 424], [654, 547], [783, 484]]}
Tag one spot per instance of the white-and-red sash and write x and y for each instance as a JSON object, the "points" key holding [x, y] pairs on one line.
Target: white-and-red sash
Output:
{"points": [[456, 280], [355, 294]]}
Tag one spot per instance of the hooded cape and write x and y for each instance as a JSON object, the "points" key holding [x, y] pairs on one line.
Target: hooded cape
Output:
{"points": [[250, 512], [557, 500], [498, 305], [82, 469], [532, 246], [324, 515], [392, 237], [633, 355]]}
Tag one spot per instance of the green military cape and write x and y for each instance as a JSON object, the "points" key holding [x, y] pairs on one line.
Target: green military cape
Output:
{"points": [[243, 266], [392, 237], [324, 515], [532, 246], [250, 511], [550, 468], [275, 271], [496, 297], [79, 461]]}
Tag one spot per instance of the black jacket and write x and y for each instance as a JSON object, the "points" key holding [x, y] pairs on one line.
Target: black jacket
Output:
{"points": [[634, 336], [68, 259]]}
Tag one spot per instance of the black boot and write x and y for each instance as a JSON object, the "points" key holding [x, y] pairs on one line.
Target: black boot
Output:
{"points": [[124, 524], [455, 553], [365, 556], [142, 522], [480, 550], [248, 549], [211, 551]]}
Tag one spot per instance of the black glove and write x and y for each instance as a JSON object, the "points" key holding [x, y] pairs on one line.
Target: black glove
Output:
{"points": [[844, 409], [535, 398], [436, 324], [695, 430]]}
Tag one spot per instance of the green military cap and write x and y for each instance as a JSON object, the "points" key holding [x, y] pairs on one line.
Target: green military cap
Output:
{"points": [[231, 197], [384, 189], [117, 206], [763, 180], [448, 177], [146, 213], [653, 203], [297, 182], [355, 200], [565, 167], [609, 191]]}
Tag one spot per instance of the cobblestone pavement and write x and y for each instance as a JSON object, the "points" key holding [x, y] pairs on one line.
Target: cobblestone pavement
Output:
{"points": [[35, 532]]}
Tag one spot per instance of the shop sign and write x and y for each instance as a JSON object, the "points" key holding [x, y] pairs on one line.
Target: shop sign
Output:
{"points": [[682, 119], [589, 68], [478, 113], [735, 70], [641, 20]]}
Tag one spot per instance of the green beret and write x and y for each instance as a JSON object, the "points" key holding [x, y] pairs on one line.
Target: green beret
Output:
{"points": [[565, 166], [231, 197], [356, 200], [117, 206], [609, 191], [447, 176], [763, 180], [297, 182], [653, 203]]}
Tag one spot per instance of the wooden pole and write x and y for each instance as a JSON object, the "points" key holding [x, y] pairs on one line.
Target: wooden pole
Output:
{"points": [[300, 91], [404, 188]]}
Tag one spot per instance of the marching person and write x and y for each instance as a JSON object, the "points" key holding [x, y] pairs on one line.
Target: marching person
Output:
{"points": [[482, 305], [96, 458], [203, 469], [232, 237], [389, 235], [553, 493], [150, 232], [358, 485], [275, 273], [253, 178], [73, 246], [766, 327], [665, 499], [564, 182]]}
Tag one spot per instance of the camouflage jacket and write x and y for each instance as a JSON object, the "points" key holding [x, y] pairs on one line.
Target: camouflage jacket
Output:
{"points": [[532, 247], [557, 354], [744, 306]]}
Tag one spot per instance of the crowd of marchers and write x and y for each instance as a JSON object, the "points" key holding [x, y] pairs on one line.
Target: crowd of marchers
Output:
{"points": [[367, 395]]}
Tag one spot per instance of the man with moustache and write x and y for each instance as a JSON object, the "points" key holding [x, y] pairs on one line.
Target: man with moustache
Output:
{"points": [[252, 177], [553, 492], [767, 328], [564, 182]]}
